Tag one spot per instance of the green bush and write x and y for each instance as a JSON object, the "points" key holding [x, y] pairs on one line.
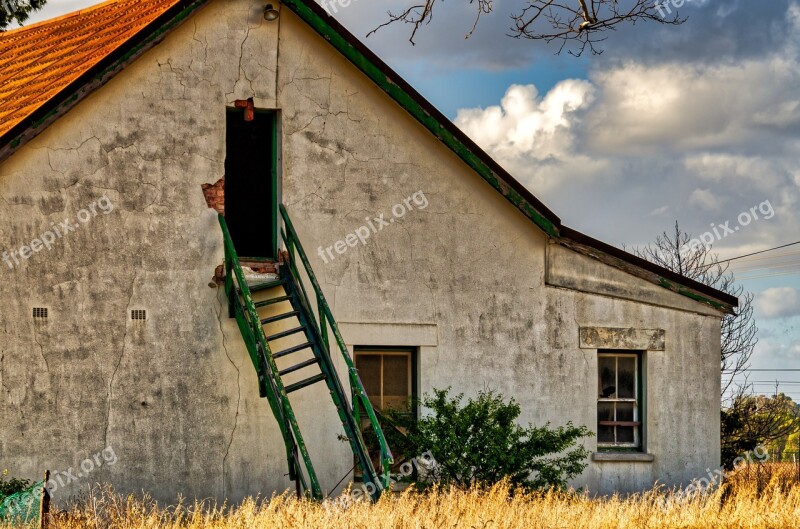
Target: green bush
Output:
{"points": [[480, 443], [9, 486]]}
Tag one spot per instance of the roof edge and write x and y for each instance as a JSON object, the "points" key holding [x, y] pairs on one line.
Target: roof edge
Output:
{"points": [[647, 270], [97, 75]]}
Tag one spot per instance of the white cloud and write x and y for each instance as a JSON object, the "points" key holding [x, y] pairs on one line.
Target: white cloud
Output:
{"points": [[705, 199], [534, 137], [753, 172], [657, 212], [688, 140], [779, 302], [688, 106]]}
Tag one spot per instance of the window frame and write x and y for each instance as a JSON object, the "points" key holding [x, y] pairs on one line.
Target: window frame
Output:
{"points": [[413, 387], [412, 352], [638, 402]]}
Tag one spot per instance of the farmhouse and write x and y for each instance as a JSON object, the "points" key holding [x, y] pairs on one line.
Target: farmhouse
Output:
{"points": [[231, 235]]}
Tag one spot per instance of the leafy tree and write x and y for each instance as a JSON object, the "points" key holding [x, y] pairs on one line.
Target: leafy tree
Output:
{"points": [[480, 443], [752, 421], [18, 11], [576, 24], [792, 447]]}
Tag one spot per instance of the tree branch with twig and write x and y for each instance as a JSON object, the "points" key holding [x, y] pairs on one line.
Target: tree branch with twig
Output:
{"points": [[579, 24]]}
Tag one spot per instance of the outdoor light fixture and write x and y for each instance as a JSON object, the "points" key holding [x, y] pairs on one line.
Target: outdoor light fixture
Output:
{"points": [[270, 13]]}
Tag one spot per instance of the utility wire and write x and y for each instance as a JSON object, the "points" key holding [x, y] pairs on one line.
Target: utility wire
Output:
{"points": [[756, 253], [779, 369]]}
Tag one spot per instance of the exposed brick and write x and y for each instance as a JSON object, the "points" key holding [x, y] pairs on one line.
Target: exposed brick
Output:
{"points": [[215, 195], [219, 274], [261, 267]]}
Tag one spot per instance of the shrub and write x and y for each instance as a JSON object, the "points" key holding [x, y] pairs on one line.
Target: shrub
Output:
{"points": [[9, 486], [480, 443]]}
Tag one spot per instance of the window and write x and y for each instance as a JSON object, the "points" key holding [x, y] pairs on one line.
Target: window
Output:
{"points": [[619, 403], [387, 377]]}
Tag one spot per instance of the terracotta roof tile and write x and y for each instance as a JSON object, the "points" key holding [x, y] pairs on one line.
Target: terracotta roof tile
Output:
{"points": [[38, 61]]}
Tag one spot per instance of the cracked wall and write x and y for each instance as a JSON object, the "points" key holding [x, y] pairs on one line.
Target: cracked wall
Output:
{"points": [[177, 396]]}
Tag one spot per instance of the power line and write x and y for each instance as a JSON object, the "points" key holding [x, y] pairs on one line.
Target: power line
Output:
{"points": [[756, 253], [778, 369], [768, 275]]}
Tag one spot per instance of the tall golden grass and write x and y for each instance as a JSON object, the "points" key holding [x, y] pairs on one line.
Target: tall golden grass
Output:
{"points": [[739, 503]]}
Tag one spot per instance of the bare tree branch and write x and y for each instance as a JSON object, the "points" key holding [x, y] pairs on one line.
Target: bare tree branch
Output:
{"points": [[673, 251], [579, 24]]}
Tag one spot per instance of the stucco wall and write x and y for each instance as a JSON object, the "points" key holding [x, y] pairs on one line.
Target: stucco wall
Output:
{"points": [[176, 397]]}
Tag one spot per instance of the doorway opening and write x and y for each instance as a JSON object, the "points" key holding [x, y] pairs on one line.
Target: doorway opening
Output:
{"points": [[251, 183]]}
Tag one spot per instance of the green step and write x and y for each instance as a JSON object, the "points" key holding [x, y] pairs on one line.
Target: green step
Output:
{"points": [[298, 367], [279, 317], [284, 334], [272, 301], [291, 350], [304, 383]]}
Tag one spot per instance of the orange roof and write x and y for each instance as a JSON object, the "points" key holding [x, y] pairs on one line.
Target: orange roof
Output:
{"points": [[40, 60]]}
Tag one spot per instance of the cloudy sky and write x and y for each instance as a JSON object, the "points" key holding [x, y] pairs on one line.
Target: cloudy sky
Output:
{"points": [[698, 123]]}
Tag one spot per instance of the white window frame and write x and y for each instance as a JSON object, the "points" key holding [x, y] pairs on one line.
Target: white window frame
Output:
{"points": [[636, 400]]}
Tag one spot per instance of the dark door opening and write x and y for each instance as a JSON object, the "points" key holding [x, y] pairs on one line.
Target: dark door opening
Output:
{"points": [[251, 184]]}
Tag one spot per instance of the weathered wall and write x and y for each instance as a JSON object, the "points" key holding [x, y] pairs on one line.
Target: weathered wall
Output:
{"points": [[176, 396]]}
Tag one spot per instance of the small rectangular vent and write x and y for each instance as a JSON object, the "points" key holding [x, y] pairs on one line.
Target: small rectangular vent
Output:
{"points": [[40, 313], [138, 315]]}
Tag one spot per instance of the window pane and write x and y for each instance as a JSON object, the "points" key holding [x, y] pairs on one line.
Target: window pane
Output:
{"points": [[605, 411], [624, 434], [624, 411], [369, 369], [396, 388], [606, 365], [627, 377], [395, 375], [605, 434]]}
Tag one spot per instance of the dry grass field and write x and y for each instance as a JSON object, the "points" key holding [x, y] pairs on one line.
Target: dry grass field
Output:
{"points": [[740, 503]]}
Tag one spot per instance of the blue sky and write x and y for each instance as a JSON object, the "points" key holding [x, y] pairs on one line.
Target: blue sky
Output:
{"points": [[699, 123]]}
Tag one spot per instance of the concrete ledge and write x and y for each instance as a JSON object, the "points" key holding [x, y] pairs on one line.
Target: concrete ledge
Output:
{"points": [[397, 334], [623, 457]]}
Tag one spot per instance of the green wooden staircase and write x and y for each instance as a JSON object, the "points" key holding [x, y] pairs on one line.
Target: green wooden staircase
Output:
{"points": [[288, 339]]}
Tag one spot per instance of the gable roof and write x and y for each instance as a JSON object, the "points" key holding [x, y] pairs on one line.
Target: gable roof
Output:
{"points": [[47, 68]]}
